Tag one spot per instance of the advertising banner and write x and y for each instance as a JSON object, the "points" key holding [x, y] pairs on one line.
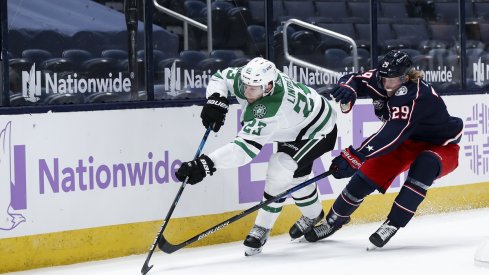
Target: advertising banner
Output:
{"points": [[68, 171]]}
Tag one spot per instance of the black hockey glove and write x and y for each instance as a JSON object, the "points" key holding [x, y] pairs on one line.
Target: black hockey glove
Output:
{"points": [[346, 95], [214, 111], [347, 163], [195, 170]]}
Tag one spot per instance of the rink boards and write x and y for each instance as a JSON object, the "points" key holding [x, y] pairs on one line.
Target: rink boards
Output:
{"points": [[100, 189]]}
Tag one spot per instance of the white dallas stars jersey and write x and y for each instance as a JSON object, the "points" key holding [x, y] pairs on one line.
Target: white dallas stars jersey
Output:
{"points": [[292, 112]]}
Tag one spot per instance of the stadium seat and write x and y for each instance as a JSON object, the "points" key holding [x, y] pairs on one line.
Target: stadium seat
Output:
{"points": [[68, 98], [116, 54], [93, 42], [107, 97], [333, 58], [192, 58], [77, 56], [157, 56], [481, 9], [394, 9], [239, 62], [336, 9], [211, 65], [360, 9], [299, 9], [224, 55], [448, 11], [239, 19], [193, 8], [51, 41], [100, 67], [18, 40], [444, 32], [58, 65], [36, 55], [342, 28], [256, 44]]}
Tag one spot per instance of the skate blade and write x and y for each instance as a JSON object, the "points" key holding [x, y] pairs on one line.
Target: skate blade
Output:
{"points": [[252, 251], [372, 247]]}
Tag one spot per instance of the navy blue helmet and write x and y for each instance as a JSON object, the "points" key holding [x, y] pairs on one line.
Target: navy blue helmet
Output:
{"points": [[395, 64]]}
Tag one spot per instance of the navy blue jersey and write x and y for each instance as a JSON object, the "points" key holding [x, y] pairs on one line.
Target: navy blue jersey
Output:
{"points": [[414, 112]]}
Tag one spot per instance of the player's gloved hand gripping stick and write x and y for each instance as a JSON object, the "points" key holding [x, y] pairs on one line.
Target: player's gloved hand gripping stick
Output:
{"points": [[145, 267]]}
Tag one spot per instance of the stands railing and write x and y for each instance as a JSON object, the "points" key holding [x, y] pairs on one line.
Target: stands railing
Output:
{"points": [[186, 21], [324, 31]]}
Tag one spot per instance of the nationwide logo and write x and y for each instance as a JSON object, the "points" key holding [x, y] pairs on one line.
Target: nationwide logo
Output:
{"points": [[476, 129], [13, 196], [313, 77], [33, 86], [177, 79], [481, 72]]}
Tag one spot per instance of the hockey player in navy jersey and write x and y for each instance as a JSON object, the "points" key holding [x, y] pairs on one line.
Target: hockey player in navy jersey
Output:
{"points": [[418, 134], [275, 109]]}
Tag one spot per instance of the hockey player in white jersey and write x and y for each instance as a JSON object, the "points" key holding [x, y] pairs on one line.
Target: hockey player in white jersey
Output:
{"points": [[275, 109]]}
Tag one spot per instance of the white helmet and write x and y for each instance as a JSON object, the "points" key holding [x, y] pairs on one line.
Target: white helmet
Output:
{"points": [[259, 72]]}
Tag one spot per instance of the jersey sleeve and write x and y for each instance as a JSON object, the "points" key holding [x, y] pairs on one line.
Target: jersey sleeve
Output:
{"points": [[405, 112], [222, 82], [246, 145]]}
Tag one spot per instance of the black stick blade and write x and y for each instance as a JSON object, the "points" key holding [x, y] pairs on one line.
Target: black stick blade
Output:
{"points": [[146, 268]]}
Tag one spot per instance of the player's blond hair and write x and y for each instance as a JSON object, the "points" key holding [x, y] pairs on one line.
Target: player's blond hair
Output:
{"points": [[414, 75]]}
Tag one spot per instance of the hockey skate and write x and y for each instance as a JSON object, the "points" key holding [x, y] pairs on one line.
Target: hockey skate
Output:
{"points": [[324, 230], [304, 225], [255, 240], [385, 232]]}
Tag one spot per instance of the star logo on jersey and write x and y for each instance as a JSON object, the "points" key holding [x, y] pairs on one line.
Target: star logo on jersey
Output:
{"points": [[370, 148], [402, 91], [259, 111]]}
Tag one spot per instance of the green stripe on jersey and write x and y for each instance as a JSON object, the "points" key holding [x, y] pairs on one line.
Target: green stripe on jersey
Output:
{"points": [[245, 148]]}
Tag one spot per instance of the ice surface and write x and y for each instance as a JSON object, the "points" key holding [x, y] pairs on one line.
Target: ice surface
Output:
{"points": [[435, 244]]}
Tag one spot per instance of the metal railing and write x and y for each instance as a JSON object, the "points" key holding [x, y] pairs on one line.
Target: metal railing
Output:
{"points": [[324, 31], [186, 21]]}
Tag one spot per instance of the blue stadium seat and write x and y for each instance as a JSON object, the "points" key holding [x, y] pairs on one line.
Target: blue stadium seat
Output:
{"points": [[93, 42], [211, 64], [19, 40], [333, 58], [239, 19], [192, 58], [58, 65], [51, 41], [68, 98], [36, 55], [256, 45], [342, 28], [239, 62], [359, 9], [116, 54], [299, 9], [394, 9], [224, 55], [100, 66], [77, 56], [330, 9]]}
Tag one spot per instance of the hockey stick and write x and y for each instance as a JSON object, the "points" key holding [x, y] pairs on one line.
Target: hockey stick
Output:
{"points": [[145, 267], [169, 248]]}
